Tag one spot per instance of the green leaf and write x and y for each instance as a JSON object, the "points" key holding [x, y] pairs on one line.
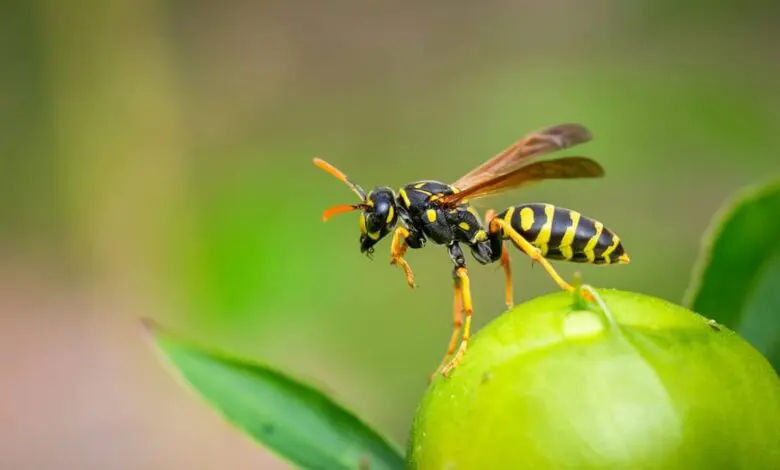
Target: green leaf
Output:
{"points": [[292, 419], [737, 278]]}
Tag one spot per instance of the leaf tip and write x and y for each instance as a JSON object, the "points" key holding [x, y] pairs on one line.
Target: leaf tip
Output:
{"points": [[149, 326], [151, 330]]}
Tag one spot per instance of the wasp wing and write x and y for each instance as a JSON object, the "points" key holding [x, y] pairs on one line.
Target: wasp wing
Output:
{"points": [[534, 144], [561, 168]]}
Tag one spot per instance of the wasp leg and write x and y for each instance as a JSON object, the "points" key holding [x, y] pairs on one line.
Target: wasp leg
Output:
{"points": [[397, 251], [535, 253], [463, 283], [504, 264], [507, 276], [463, 292], [457, 324]]}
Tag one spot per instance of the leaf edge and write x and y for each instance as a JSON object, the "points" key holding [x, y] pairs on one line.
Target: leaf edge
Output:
{"points": [[715, 228], [151, 329]]}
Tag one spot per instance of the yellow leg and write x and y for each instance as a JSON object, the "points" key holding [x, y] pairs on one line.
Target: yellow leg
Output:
{"points": [[397, 251], [457, 324], [507, 275], [490, 215], [533, 252], [465, 291]]}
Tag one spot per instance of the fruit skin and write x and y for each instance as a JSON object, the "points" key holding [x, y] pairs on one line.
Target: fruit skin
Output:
{"points": [[649, 385]]}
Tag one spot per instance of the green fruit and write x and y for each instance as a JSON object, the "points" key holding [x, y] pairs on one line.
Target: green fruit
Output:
{"points": [[645, 385]]}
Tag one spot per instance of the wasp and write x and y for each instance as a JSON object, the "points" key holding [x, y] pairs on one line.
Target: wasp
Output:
{"points": [[442, 213]]}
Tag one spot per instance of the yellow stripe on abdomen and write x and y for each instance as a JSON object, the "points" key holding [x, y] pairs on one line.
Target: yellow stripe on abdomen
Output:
{"points": [[543, 238], [526, 218], [568, 236], [571, 230], [610, 248], [591, 245]]}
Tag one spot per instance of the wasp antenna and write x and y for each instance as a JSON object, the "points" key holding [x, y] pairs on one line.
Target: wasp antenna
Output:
{"points": [[340, 209], [323, 165]]}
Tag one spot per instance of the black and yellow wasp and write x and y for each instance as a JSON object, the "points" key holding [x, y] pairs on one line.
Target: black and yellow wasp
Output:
{"points": [[440, 212]]}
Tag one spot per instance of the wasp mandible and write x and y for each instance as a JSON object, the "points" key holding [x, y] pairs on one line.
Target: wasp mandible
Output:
{"points": [[440, 212]]}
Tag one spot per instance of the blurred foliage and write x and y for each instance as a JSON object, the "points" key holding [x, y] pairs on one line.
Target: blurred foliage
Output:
{"points": [[739, 270]]}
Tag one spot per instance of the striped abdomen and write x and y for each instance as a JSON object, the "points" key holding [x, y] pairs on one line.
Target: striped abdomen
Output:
{"points": [[564, 234]]}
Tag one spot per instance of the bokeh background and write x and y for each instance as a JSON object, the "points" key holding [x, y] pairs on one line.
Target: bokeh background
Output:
{"points": [[156, 162]]}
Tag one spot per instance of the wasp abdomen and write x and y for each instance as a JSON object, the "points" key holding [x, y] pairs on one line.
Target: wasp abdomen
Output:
{"points": [[564, 234]]}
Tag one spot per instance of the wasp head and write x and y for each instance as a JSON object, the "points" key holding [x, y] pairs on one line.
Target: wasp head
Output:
{"points": [[377, 218], [378, 213]]}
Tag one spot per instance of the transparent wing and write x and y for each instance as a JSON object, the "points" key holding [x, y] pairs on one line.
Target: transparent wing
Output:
{"points": [[533, 145], [561, 168]]}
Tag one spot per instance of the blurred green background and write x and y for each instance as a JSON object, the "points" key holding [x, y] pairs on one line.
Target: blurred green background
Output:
{"points": [[156, 162]]}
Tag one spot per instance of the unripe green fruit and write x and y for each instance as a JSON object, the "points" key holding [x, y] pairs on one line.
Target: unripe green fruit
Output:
{"points": [[646, 385]]}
